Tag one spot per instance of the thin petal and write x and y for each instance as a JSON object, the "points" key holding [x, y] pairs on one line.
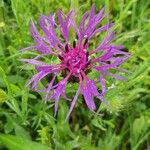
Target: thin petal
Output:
{"points": [[88, 92], [103, 84], [64, 24], [88, 98], [56, 105], [92, 88], [44, 68], [34, 62], [94, 22], [103, 28], [115, 76], [34, 78], [48, 26], [106, 41], [105, 56], [43, 45], [50, 87], [101, 97], [73, 24], [92, 11], [57, 93], [73, 103], [60, 88], [37, 80], [100, 14], [81, 29], [28, 48]]}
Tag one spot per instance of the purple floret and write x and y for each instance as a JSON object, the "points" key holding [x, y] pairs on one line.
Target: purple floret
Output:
{"points": [[76, 60]]}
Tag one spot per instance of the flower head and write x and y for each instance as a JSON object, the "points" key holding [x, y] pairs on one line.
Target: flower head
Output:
{"points": [[76, 60]]}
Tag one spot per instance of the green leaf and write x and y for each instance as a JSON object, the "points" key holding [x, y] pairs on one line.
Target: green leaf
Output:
{"points": [[15, 89], [138, 126], [74, 4], [98, 123], [3, 96], [17, 143], [21, 132]]}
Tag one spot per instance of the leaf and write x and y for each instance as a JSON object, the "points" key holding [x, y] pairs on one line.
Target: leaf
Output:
{"points": [[74, 4], [8, 127], [21, 132], [98, 123], [138, 126], [140, 70], [17, 143], [4, 77], [3, 96], [15, 89]]}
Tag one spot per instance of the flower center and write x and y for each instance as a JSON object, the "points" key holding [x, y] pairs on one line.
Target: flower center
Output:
{"points": [[75, 60]]}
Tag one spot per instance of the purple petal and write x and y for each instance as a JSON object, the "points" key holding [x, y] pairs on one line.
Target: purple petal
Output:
{"points": [[48, 26], [105, 57], [81, 29], [73, 24], [94, 92], [101, 97], [57, 92], [103, 84], [34, 78], [88, 98], [109, 38], [116, 62], [91, 86], [50, 87], [29, 48], [34, 62], [43, 45], [56, 104], [115, 76], [94, 22], [60, 88], [99, 15], [40, 77], [91, 16], [106, 41], [106, 67], [117, 46], [44, 68], [64, 24], [88, 91], [122, 69], [73, 103], [96, 19], [103, 28]]}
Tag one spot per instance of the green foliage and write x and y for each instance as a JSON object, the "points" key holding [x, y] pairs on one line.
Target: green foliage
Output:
{"points": [[16, 143], [24, 116], [3, 96]]}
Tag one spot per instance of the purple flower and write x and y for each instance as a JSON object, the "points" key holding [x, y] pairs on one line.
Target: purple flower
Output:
{"points": [[75, 59]]}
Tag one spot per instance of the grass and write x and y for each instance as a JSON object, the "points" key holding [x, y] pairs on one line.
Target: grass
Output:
{"points": [[24, 117]]}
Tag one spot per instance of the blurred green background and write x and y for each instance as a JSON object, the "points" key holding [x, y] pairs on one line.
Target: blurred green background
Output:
{"points": [[27, 123]]}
